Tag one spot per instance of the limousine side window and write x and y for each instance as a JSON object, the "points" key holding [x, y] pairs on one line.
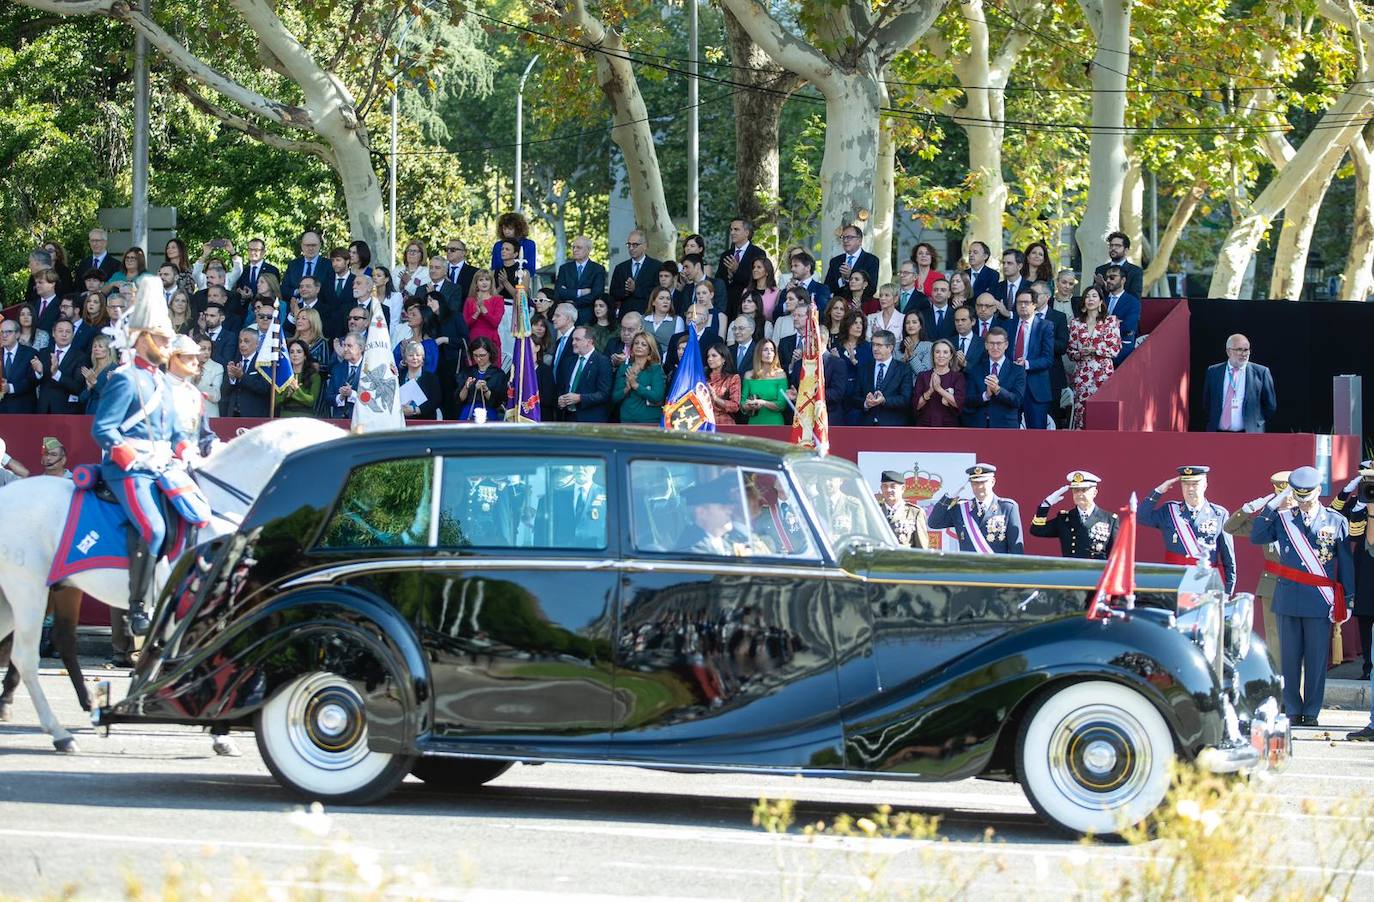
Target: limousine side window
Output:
{"points": [[383, 505], [691, 508], [519, 502]]}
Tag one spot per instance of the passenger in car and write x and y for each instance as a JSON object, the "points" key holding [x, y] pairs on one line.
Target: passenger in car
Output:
{"points": [[573, 514], [712, 508]]}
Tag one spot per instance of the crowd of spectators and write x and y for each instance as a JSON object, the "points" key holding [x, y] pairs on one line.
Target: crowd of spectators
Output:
{"points": [[978, 344]]}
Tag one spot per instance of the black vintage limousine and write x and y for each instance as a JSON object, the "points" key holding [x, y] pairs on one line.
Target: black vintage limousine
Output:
{"points": [[445, 601]]}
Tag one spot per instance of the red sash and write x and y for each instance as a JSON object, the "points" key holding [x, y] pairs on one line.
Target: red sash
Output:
{"points": [[1303, 578], [1173, 557]]}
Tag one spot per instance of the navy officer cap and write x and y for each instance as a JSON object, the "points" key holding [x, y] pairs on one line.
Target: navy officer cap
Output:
{"points": [[1304, 481]]}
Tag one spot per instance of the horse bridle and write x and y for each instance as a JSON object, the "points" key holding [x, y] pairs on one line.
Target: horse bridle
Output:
{"points": [[234, 491]]}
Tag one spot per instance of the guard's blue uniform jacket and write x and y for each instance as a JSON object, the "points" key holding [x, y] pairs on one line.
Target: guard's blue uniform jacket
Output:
{"points": [[1206, 524], [190, 407], [1327, 534], [1000, 522], [137, 418]]}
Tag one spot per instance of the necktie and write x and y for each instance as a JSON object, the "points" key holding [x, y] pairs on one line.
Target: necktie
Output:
{"points": [[9, 362], [1021, 341], [558, 355], [1111, 305], [634, 270], [338, 286], [579, 271], [577, 374], [739, 361], [579, 504], [996, 365], [963, 345], [42, 305], [850, 260], [1011, 294], [352, 373], [253, 276], [982, 329], [882, 372], [57, 364], [739, 254], [1229, 399], [939, 318], [309, 267], [453, 274]]}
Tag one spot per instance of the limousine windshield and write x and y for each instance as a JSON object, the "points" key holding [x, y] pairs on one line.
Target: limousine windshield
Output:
{"points": [[846, 510]]}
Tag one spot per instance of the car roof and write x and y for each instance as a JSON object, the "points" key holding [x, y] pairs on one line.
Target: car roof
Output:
{"points": [[467, 437]]}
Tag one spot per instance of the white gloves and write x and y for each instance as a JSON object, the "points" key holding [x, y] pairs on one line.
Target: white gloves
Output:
{"points": [[1057, 494], [1353, 484], [1251, 506], [1278, 499]]}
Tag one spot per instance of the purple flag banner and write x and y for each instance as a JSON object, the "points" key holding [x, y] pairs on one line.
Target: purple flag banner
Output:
{"points": [[523, 406]]}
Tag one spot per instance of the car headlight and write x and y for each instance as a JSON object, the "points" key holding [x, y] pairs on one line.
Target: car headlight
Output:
{"points": [[1240, 624], [1203, 624]]}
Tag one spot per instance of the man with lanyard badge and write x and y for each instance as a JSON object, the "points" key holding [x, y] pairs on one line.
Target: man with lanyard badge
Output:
{"points": [[1192, 527], [136, 427], [1316, 581], [987, 524]]}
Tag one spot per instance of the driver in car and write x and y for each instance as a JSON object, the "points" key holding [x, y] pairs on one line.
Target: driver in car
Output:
{"points": [[712, 507]]}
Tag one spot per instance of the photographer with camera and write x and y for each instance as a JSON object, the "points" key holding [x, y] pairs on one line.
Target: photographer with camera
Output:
{"points": [[1353, 504]]}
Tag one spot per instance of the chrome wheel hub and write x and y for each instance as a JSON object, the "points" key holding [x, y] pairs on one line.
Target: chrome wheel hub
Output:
{"points": [[1100, 757], [327, 722]]}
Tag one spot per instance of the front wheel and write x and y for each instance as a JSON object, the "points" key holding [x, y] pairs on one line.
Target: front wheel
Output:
{"points": [[313, 736], [1094, 757]]}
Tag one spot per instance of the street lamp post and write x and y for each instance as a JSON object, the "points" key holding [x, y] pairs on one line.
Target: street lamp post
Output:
{"points": [[520, 133]]}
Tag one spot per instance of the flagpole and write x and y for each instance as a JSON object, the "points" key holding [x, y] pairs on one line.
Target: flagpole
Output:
{"points": [[272, 395]]}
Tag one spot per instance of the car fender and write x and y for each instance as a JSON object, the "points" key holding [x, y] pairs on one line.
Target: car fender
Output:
{"points": [[230, 675], [956, 721]]}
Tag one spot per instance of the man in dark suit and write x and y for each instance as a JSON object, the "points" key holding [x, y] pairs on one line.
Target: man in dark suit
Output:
{"points": [[223, 340], [1032, 349], [342, 389], [99, 259], [634, 279], [1117, 246], [694, 273], [883, 391], [439, 283], [336, 293], [581, 280], [245, 392], [1239, 394], [19, 386], [937, 317], [851, 258], [743, 353], [985, 315], [983, 277], [995, 387], [803, 267], [1059, 322], [586, 394], [564, 357], [968, 347], [736, 264], [47, 309], [61, 382], [255, 266], [573, 513], [307, 297], [458, 272], [910, 298], [1125, 307], [1013, 262], [309, 263]]}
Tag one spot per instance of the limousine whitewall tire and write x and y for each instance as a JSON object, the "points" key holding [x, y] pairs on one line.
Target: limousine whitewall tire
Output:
{"points": [[1095, 757], [313, 736]]}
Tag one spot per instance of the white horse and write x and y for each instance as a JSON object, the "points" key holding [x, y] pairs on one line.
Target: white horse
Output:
{"points": [[36, 511]]}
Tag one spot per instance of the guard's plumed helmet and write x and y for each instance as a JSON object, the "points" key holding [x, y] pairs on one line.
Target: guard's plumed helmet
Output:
{"points": [[149, 311]]}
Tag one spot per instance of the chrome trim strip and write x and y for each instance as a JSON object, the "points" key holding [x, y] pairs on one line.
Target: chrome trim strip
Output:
{"points": [[761, 568], [436, 484], [327, 575], [428, 750]]}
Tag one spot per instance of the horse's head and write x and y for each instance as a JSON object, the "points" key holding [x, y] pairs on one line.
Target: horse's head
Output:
{"points": [[249, 460]]}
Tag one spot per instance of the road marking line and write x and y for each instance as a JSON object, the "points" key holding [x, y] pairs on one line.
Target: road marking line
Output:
{"points": [[137, 839]]}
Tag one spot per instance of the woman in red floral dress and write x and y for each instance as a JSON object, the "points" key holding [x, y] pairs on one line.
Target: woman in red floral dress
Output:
{"points": [[1094, 339]]}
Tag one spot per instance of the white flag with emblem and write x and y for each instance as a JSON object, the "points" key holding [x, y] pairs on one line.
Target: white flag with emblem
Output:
{"points": [[379, 385]]}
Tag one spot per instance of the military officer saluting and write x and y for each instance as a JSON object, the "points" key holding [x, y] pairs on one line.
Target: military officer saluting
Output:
{"points": [[987, 524], [1316, 582], [1192, 527], [908, 521], [1086, 530]]}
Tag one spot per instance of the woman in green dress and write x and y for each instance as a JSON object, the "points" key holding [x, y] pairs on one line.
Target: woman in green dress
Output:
{"points": [[763, 391], [298, 396], [640, 383]]}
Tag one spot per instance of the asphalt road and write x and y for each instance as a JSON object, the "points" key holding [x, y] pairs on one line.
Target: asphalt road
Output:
{"points": [[150, 801]]}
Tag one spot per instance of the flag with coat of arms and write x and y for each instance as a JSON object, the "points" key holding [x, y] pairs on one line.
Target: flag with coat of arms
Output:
{"points": [[379, 383], [688, 407], [273, 363]]}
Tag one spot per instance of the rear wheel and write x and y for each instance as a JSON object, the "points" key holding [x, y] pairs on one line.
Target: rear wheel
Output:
{"points": [[457, 774], [1094, 757], [313, 737]]}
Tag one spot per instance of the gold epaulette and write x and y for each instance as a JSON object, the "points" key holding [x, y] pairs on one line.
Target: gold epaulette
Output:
{"points": [[1038, 521]]}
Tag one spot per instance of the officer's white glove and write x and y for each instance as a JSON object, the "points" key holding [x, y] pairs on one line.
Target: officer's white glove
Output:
{"points": [[1055, 496], [1251, 506], [1278, 499], [1352, 485]]}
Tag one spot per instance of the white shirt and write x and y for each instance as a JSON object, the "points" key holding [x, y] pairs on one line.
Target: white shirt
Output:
{"points": [[1234, 418]]}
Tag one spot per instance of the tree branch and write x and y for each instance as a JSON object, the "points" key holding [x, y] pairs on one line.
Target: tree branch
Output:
{"points": [[786, 49], [253, 131]]}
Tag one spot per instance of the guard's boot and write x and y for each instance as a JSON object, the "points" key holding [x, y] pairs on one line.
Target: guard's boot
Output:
{"points": [[140, 581]]}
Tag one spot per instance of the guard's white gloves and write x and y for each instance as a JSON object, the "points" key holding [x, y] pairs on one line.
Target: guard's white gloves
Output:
{"points": [[1056, 495], [1353, 484], [1278, 499], [1251, 506]]}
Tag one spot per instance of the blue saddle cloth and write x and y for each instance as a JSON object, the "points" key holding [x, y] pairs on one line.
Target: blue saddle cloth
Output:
{"points": [[94, 538]]}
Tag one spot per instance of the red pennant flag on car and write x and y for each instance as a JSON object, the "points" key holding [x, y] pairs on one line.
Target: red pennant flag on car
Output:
{"points": [[1118, 577]]}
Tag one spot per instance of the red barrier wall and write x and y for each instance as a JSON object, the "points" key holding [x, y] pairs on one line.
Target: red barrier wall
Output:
{"points": [[1030, 464], [1149, 393]]}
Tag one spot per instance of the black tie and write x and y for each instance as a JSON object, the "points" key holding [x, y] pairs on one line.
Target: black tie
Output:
{"points": [[338, 286], [453, 274], [253, 276], [9, 362], [882, 371], [309, 267], [939, 318]]}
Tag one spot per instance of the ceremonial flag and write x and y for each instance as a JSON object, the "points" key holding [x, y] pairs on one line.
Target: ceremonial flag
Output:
{"points": [[379, 384], [688, 408], [524, 382], [1118, 577], [273, 351], [811, 423]]}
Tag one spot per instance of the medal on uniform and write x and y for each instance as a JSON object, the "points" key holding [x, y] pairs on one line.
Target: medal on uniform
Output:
{"points": [[1098, 534], [996, 528]]}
